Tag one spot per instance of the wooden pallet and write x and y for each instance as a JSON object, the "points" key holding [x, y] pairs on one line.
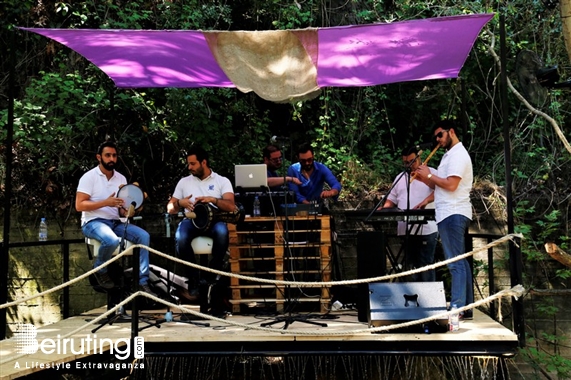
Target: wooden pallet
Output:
{"points": [[259, 247]]}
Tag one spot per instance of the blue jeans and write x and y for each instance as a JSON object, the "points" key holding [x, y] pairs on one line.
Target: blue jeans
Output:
{"points": [[109, 233], [186, 231], [452, 231], [420, 254]]}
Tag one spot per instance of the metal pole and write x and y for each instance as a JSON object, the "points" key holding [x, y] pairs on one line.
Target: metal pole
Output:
{"points": [[65, 251], [7, 186], [134, 303], [516, 265]]}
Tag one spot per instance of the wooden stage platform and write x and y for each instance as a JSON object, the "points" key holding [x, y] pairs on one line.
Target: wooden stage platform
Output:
{"points": [[481, 336]]}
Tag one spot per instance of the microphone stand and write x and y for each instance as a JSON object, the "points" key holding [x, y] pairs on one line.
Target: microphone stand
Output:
{"points": [[394, 260], [121, 315], [169, 315], [384, 198], [289, 318]]}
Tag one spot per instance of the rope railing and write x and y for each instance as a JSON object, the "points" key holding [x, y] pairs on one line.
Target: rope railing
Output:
{"points": [[509, 237], [128, 251], [516, 292]]}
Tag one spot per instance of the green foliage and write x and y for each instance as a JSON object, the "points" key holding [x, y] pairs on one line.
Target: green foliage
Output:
{"points": [[541, 360], [63, 111], [53, 120], [295, 16]]}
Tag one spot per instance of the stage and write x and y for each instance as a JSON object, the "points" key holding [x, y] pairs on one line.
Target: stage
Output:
{"points": [[344, 335]]}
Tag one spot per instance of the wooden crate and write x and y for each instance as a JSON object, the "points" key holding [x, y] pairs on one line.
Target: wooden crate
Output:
{"points": [[271, 248]]}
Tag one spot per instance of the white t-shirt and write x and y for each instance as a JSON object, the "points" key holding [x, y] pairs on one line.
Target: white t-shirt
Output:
{"points": [[418, 192], [213, 186], [455, 162], [95, 184]]}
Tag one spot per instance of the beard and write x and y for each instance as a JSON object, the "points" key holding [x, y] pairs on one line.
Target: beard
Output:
{"points": [[198, 172], [108, 165], [447, 144]]}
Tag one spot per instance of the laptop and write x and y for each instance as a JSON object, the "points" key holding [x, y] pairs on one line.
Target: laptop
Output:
{"points": [[252, 176]]}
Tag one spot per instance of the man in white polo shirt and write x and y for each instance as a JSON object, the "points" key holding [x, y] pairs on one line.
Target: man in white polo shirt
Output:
{"points": [[101, 211], [421, 239], [203, 185], [452, 185]]}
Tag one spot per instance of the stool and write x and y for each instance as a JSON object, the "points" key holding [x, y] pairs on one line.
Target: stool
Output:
{"points": [[95, 244], [114, 296], [202, 246]]}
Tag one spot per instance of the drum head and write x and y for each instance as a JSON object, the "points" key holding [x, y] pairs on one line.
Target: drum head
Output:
{"points": [[129, 194]]}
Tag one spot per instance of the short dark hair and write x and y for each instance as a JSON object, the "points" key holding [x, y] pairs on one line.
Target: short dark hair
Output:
{"points": [[268, 150], [106, 144], [199, 152], [304, 148], [410, 150], [445, 124]]}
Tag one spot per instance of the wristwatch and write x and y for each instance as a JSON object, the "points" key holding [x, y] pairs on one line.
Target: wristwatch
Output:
{"points": [[429, 176]]}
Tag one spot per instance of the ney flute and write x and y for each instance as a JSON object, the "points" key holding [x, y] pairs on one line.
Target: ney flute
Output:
{"points": [[425, 161]]}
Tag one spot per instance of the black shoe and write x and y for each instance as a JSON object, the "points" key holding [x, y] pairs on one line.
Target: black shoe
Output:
{"points": [[145, 288], [104, 280], [467, 315]]}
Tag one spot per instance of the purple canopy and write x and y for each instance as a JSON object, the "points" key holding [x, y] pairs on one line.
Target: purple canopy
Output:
{"points": [[363, 55]]}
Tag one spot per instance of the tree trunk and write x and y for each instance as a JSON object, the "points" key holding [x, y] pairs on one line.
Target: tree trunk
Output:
{"points": [[558, 254], [566, 20]]}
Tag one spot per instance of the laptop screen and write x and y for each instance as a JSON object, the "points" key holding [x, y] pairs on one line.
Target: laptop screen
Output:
{"points": [[251, 176]]}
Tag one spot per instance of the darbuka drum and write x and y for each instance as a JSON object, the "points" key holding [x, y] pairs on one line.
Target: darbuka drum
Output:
{"points": [[204, 216], [129, 194], [207, 213]]}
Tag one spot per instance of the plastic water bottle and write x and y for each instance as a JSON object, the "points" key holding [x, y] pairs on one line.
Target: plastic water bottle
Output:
{"points": [[256, 206], [454, 319], [43, 230]]}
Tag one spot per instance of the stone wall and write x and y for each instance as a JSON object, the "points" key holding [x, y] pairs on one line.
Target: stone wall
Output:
{"points": [[36, 269]]}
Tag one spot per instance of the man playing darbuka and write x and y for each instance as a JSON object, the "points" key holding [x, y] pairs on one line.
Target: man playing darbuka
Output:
{"points": [[101, 211], [203, 185]]}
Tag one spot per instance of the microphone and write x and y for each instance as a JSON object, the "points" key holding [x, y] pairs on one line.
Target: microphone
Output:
{"points": [[423, 146], [131, 211], [276, 139]]}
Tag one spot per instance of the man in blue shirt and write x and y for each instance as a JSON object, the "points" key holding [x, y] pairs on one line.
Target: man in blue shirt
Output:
{"points": [[313, 175], [273, 160]]}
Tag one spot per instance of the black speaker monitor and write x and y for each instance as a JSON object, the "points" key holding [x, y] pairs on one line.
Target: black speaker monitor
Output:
{"points": [[371, 262]]}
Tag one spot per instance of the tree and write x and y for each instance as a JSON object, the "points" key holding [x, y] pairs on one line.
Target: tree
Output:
{"points": [[566, 20]]}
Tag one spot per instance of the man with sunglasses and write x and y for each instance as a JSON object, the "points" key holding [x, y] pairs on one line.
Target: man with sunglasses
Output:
{"points": [[421, 239], [312, 176], [452, 184], [273, 160]]}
